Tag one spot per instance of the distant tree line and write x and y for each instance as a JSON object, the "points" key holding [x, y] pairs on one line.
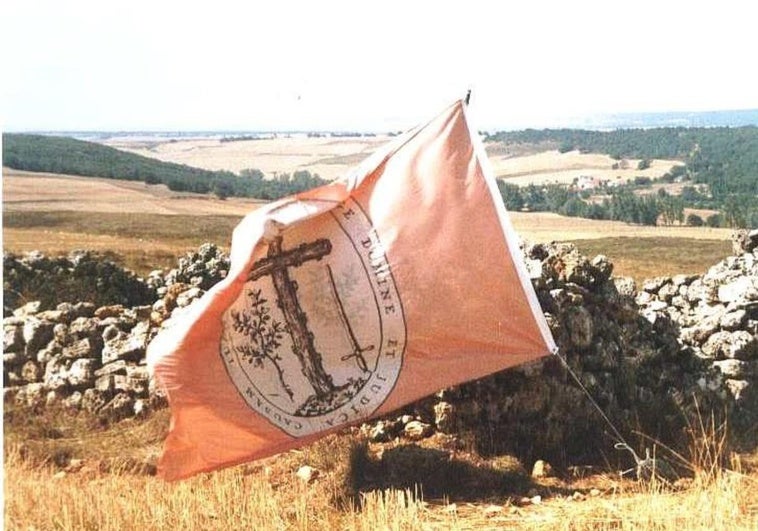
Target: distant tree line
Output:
{"points": [[41, 153], [310, 134], [241, 138], [621, 204], [725, 159]]}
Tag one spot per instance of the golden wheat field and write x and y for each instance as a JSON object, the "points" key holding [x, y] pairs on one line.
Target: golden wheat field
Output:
{"points": [[77, 473], [328, 157]]}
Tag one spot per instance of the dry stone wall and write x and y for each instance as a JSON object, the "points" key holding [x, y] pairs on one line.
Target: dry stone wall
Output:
{"points": [[90, 358], [656, 361], [652, 359], [80, 276]]}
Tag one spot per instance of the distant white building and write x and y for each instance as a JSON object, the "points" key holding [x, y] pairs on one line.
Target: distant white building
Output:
{"points": [[587, 182]]}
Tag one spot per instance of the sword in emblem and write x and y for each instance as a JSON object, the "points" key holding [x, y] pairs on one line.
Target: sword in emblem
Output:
{"points": [[358, 351]]}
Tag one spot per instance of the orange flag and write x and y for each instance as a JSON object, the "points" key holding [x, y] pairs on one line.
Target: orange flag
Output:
{"points": [[349, 301]]}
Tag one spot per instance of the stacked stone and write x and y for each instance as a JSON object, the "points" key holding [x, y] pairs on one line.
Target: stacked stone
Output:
{"points": [[83, 357], [195, 273], [199, 269], [80, 276], [716, 315], [79, 357], [406, 426], [630, 360]]}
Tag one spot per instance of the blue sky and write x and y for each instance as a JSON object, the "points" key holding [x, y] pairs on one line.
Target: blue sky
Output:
{"points": [[378, 65]]}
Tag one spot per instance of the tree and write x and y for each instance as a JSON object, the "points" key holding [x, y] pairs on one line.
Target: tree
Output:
{"points": [[264, 336], [511, 195], [715, 220], [736, 211], [625, 206], [597, 210], [177, 185], [252, 174], [574, 207], [534, 198], [649, 211], [556, 196], [222, 189], [690, 194], [693, 220], [643, 164], [672, 209]]}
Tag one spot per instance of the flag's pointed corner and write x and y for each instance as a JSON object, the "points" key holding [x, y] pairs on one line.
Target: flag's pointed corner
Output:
{"points": [[511, 236]]}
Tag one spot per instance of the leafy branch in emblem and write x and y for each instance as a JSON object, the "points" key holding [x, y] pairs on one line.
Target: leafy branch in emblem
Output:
{"points": [[264, 334]]}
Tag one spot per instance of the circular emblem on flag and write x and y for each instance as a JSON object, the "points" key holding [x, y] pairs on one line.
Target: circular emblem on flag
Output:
{"points": [[316, 337]]}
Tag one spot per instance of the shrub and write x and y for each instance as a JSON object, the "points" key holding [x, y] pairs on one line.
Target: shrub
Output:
{"points": [[693, 220], [83, 276], [715, 220]]}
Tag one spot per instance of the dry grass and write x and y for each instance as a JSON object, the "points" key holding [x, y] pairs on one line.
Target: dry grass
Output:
{"points": [[41, 192], [147, 227], [141, 256], [91, 474], [547, 227], [140, 243], [78, 474], [644, 258], [142, 248]]}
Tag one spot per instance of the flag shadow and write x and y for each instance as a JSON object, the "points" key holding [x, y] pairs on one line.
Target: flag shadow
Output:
{"points": [[437, 473]]}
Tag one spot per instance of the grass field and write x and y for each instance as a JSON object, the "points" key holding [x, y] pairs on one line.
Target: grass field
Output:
{"points": [[143, 243], [138, 242], [45, 192], [90, 475], [135, 242], [146, 227], [643, 258]]}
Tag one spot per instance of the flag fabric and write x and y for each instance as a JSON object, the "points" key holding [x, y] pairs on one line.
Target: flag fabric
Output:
{"points": [[349, 301]]}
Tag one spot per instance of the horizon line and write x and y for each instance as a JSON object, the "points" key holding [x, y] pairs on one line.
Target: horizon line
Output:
{"points": [[556, 123]]}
